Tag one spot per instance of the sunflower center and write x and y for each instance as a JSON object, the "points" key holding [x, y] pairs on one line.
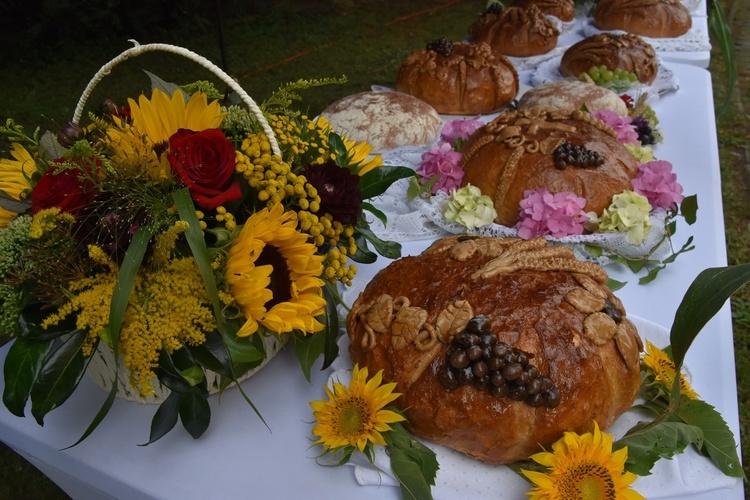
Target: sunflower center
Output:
{"points": [[587, 481], [281, 281], [352, 417]]}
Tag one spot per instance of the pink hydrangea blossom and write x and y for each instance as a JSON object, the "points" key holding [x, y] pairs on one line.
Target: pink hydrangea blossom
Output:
{"points": [[459, 129], [656, 182], [544, 213], [441, 160], [626, 134]]}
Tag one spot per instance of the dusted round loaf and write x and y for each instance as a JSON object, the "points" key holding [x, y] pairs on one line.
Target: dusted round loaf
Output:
{"points": [[498, 345], [564, 10], [570, 95], [652, 18], [529, 149], [628, 52], [459, 78], [386, 120], [515, 31]]}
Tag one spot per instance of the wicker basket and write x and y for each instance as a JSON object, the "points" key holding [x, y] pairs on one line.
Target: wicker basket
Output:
{"points": [[101, 368]]}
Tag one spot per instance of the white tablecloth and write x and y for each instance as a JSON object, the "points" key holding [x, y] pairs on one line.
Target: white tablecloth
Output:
{"points": [[239, 457]]}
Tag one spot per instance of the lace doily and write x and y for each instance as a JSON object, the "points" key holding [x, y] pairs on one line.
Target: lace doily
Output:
{"points": [[422, 219], [531, 62], [461, 477], [665, 81], [695, 40]]}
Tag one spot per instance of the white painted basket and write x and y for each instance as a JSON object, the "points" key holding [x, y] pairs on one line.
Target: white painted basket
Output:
{"points": [[101, 370]]}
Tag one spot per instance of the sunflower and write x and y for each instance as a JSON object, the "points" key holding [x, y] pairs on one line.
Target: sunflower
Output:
{"points": [[274, 274], [140, 141], [663, 369], [354, 415], [14, 178], [358, 152], [583, 467]]}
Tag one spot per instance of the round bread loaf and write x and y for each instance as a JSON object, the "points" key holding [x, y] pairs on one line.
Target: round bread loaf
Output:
{"points": [[628, 52], [570, 95], [652, 18], [536, 149], [515, 32], [498, 345], [386, 120], [459, 78], [564, 10]]}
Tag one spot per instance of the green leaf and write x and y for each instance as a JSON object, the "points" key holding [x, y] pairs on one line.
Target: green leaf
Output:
{"points": [[194, 236], [307, 348], [376, 181], [49, 147], [213, 355], [615, 285], [338, 149], [374, 211], [195, 414], [165, 417], [331, 330], [703, 299], [171, 376], [414, 465], [22, 364], [241, 349], [194, 375], [649, 443], [594, 250], [58, 377], [388, 249], [363, 255], [718, 440], [719, 29], [689, 209], [9, 203], [30, 324], [168, 88]]}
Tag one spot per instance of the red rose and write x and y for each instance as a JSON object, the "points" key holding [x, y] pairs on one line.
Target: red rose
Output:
{"points": [[69, 189], [204, 162]]}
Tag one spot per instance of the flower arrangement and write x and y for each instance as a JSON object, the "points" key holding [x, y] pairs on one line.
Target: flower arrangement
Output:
{"points": [[588, 465], [186, 237], [655, 191]]}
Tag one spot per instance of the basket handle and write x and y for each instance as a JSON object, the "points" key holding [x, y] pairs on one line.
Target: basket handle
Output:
{"points": [[140, 49]]}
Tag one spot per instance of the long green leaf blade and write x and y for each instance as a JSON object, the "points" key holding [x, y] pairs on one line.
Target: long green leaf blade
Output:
{"points": [[194, 236], [22, 364]]}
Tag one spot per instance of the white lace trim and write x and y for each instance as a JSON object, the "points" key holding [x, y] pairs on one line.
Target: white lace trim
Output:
{"points": [[665, 81], [422, 219], [695, 40]]}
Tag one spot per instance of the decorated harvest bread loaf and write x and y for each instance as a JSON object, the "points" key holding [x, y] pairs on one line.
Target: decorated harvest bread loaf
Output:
{"points": [[386, 120], [556, 151], [652, 18], [498, 346], [570, 95], [459, 78], [515, 31], [628, 52], [564, 10]]}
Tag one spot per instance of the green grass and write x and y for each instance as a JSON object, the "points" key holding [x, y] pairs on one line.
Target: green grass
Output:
{"points": [[269, 43]]}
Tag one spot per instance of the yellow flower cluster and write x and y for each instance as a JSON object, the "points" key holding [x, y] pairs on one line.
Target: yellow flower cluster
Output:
{"points": [[226, 217], [309, 141], [167, 309], [272, 178], [48, 220], [164, 243]]}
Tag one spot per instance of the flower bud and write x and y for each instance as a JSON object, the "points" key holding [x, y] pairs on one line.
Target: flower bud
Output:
{"points": [[69, 134], [108, 107]]}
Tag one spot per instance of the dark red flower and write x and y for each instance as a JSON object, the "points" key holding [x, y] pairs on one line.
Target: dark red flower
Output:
{"points": [[69, 189], [338, 189], [204, 162]]}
